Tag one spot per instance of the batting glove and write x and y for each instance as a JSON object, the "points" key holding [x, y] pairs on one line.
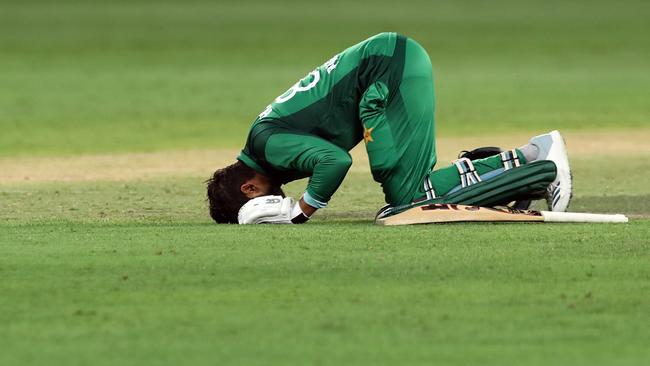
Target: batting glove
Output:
{"points": [[271, 210]]}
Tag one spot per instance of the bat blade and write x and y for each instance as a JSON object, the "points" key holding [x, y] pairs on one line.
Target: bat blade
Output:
{"points": [[442, 213]]}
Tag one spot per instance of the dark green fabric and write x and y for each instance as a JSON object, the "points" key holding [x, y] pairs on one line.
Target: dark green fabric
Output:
{"points": [[446, 178], [400, 128], [323, 108], [380, 90], [299, 154], [516, 184], [513, 185]]}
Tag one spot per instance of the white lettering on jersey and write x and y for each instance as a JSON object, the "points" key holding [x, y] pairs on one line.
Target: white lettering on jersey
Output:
{"points": [[329, 66], [266, 112], [297, 88]]}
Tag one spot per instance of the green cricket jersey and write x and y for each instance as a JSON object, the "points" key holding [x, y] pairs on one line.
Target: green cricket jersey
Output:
{"points": [[308, 130]]}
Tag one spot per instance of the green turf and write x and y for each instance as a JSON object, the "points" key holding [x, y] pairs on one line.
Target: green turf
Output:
{"points": [[622, 187], [134, 272], [343, 294], [96, 76]]}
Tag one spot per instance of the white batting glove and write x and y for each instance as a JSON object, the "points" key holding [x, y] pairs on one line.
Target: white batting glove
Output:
{"points": [[271, 210]]}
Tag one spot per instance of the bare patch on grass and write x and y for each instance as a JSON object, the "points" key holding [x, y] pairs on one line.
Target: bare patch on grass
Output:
{"points": [[130, 166]]}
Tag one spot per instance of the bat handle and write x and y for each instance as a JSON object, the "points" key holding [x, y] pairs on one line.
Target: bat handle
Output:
{"points": [[582, 217]]}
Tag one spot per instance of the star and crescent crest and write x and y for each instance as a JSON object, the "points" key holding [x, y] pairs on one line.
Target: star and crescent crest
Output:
{"points": [[367, 134]]}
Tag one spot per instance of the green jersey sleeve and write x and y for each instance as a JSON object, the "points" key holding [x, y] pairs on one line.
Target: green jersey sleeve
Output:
{"points": [[326, 163]]}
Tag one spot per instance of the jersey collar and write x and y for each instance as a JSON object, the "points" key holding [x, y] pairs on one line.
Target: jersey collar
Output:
{"points": [[251, 163]]}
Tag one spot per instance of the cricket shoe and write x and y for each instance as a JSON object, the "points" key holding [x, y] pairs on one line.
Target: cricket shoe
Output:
{"points": [[551, 147]]}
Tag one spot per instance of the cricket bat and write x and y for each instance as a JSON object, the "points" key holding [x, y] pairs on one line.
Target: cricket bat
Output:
{"points": [[442, 212]]}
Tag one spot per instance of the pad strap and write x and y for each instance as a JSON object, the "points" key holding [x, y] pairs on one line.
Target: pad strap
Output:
{"points": [[468, 174], [510, 159], [428, 188]]}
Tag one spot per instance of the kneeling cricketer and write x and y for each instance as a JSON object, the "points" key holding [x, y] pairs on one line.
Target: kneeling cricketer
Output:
{"points": [[379, 91]]}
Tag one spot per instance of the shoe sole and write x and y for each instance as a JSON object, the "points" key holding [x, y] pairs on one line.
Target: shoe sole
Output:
{"points": [[556, 136], [561, 161]]}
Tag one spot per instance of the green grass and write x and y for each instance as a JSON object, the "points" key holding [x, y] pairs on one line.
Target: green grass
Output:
{"points": [[134, 272], [348, 293], [621, 188], [97, 76]]}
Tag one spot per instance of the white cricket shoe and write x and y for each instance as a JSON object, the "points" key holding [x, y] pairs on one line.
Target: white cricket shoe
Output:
{"points": [[551, 147]]}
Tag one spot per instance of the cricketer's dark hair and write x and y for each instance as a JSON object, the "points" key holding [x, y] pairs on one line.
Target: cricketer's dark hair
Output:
{"points": [[224, 194]]}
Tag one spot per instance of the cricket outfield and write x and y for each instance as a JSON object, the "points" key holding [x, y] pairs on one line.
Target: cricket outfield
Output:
{"points": [[112, 115]]}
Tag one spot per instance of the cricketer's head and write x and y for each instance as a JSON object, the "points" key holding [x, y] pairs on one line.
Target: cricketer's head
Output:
{"points": [[231, 187]]}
